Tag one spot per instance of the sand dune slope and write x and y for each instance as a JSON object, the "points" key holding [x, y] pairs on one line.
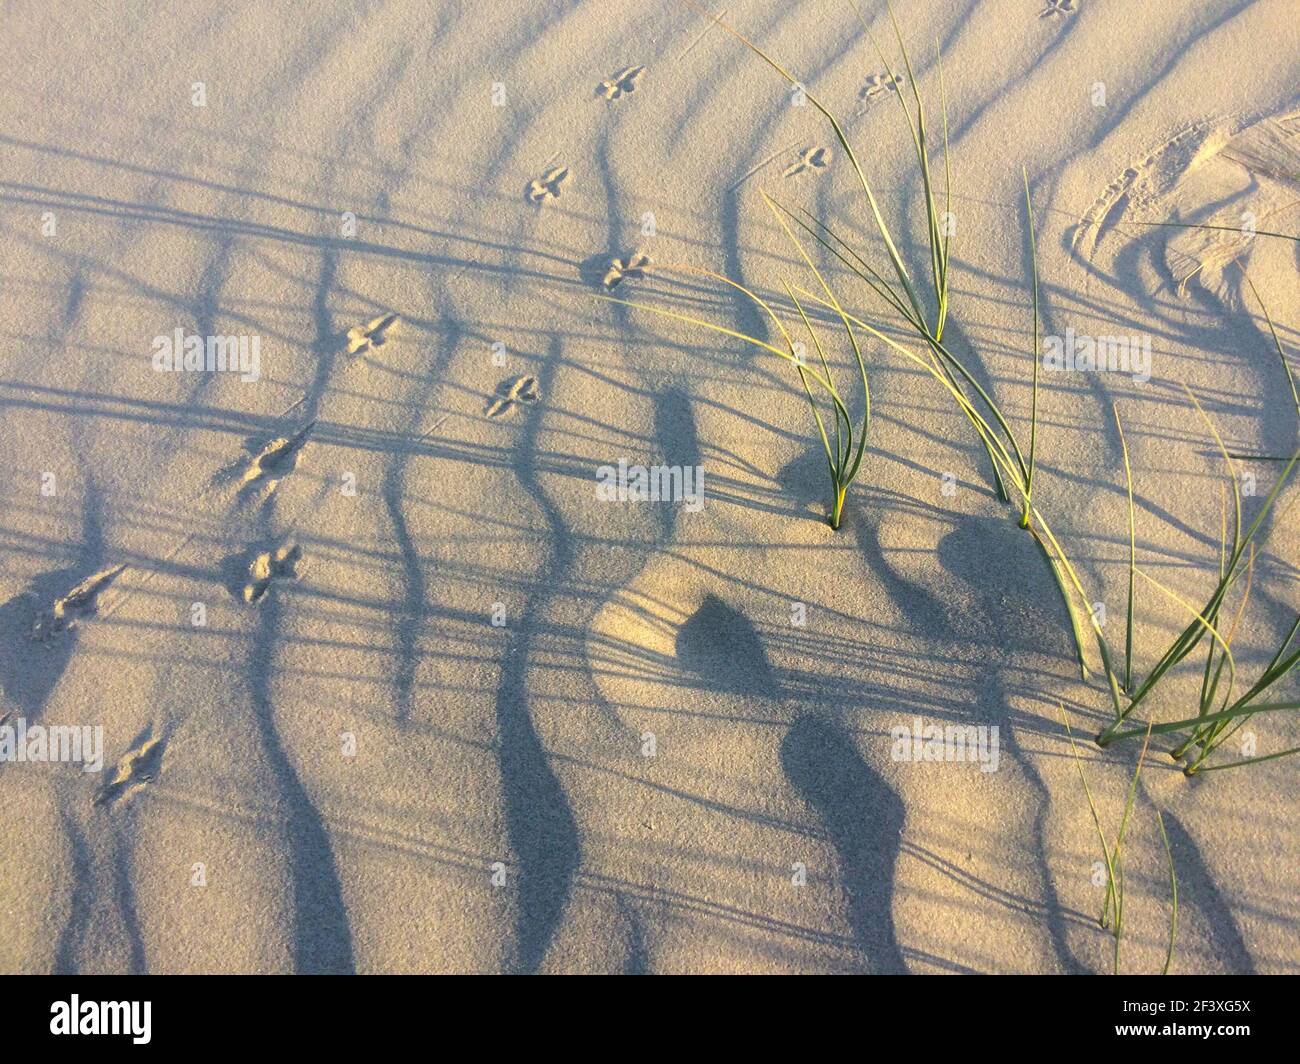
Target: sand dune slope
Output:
{"points": [[384, 682]]}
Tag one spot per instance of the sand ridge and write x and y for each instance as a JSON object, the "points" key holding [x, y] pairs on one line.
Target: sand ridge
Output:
{"points": [[442, 708]]}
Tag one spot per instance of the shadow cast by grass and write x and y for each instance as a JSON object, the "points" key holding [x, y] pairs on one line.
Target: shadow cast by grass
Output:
{"points": [[721, 645], [863, 818]]}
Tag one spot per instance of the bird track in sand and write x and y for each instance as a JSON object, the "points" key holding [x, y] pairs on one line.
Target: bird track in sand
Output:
{"points": [[810, 159], [1056, 8], [277, 459], [138, 768], [371, 336], [878, 84], [547, 187], [620, 84], [511, 393], [635, 265], [79, 603], [270, 567]]}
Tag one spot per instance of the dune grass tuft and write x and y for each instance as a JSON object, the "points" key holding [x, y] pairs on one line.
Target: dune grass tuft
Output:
{"points": [[1218, 719], [1013, 473], [844, 448], [1112, 909], [1219, 714]]}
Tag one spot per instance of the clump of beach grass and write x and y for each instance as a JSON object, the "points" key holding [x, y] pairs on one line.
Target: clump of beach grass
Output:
{"points": [[1013, 472], [1219, 715], [1217, 719], [1112, 909], [844, 448], [1013, 467]]}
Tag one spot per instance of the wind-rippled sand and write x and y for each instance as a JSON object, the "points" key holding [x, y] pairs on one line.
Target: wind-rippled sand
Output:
{"points": [[447, 710]]}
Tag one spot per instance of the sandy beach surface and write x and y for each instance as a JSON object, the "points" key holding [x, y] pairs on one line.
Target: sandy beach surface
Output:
{"points": [[385, 683]]}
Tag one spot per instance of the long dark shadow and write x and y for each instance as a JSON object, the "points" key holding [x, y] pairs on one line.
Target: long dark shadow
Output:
{"points": [[1197, 888], [862, 817], [539, 822], [322, 939]]}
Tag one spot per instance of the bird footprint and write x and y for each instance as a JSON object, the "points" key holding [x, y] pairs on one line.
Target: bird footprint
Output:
{"points": [[372, 335], [139, 767], [278, 458], [270, 566], [81, 602], [620, 270], [621, 83], [509, 393], [878, 83], [809, 159], [547, 186], [1057, 7]]}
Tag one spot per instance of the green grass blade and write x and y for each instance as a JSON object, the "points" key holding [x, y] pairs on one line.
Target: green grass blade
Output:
{"points": [[1217, 228], [900, 269], [858, 266], [1205, 622], [1076, 626], [1286, 368], [1132, 556], [1173, 891], [844, 318], [1111, 884], [947, 205], [1033, 417], [1232, 469], [1118, 860], [689, 319], [1247, 761], [838, 460], [1173, 726], [1112, 680], [1191, 635]]}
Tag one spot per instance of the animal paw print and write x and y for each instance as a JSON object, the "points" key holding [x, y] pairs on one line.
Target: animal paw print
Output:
{"points": [[372, 335], [81, 602], [268, 567], [878, 83], [1057, 7], [547, 186], [620, 270], [512, 392], [620, 84], [809, 159]]}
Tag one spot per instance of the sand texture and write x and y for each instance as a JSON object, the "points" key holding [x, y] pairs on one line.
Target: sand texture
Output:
{"points": [[386, 685]]}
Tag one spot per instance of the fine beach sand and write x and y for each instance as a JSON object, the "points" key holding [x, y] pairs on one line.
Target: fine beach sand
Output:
{"points": [[348, 766]]}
